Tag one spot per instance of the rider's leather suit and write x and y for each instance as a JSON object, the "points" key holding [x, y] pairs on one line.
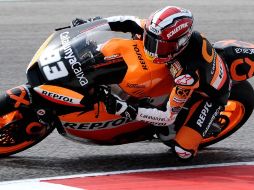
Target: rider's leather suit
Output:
{"points": [[201, 81]]}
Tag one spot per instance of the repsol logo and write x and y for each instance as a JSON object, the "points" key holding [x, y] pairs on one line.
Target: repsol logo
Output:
{"points": [[57, 96], [203, 114], [98, 125], [75, 65], [140, 58]]}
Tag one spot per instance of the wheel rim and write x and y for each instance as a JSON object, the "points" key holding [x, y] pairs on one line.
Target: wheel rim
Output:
{"points": [[234, 111], [10, 141]]}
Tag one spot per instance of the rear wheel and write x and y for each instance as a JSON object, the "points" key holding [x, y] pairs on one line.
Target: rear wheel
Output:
{"points": [[19, 130], [236, 113]]}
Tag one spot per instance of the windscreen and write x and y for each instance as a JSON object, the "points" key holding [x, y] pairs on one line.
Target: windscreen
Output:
{"points": [[70, 55]]}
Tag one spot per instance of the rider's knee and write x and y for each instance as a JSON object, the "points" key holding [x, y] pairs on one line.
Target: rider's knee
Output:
{"points": [[186, 143]]}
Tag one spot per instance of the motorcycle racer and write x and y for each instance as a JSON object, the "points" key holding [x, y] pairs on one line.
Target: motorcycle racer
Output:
{"points": [[201, 78]]}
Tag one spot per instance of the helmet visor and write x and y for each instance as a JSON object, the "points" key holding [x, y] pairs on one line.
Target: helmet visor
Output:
{"points": [[159, 48]]}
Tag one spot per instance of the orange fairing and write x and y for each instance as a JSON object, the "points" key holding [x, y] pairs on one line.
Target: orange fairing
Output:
{"points": [[234, 111], [100, 127], [143, 77], [39, 51], [60, 95]]}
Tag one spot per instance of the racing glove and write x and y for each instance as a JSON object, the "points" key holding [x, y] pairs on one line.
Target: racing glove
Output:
{"points": [[79, 21], [115, 105]]}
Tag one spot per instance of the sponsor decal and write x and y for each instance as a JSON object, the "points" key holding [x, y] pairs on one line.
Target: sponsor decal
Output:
{"points": [[177, 29], [221, 73], [155, 118], [157, 124], [18, 94], [41, 112], [69, 55], [154, 30], [185, 80], [203, 114], [97, 125], [213, 67], [248, 65], [175, 68], [135, 85], [140, 58], [115, 56], [56, 96], [211, 121], [179, 100], [249, 51], [182, 92]]}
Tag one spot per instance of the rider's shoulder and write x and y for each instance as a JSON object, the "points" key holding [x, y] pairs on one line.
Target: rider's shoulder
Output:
{"points": [[197, 36]]}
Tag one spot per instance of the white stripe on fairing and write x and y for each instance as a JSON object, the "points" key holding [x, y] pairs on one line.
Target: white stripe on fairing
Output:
{"points": [[126, 172], [36, 186]]}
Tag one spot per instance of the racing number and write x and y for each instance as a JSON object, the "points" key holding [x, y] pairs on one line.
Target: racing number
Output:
{"points": [[51, 65]]}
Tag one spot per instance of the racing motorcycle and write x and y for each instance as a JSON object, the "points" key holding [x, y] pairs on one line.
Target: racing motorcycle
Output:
{"points": [[67, 73]]}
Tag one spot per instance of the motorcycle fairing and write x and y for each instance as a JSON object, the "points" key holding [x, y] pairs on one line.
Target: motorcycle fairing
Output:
{"points": [[102, 127], [60, 95], [143, 78], [128, 68], [153, 81], [239, 57], [70, 58]]}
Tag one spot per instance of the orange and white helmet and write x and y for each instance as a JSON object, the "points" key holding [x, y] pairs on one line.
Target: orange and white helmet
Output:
{"points": [[167, 33]]}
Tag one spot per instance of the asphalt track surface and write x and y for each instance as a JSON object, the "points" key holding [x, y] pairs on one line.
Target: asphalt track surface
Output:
{"points": [[24, 25]]}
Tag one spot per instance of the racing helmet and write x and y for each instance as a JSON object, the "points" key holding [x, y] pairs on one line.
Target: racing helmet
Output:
{"points": [[167, 33]]}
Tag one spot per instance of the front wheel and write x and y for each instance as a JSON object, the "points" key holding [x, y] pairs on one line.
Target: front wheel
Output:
{"points": [[237, 111], [19, 127]]}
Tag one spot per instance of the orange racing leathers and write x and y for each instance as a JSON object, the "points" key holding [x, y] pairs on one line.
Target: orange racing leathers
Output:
{"points": [[201, 79]]}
